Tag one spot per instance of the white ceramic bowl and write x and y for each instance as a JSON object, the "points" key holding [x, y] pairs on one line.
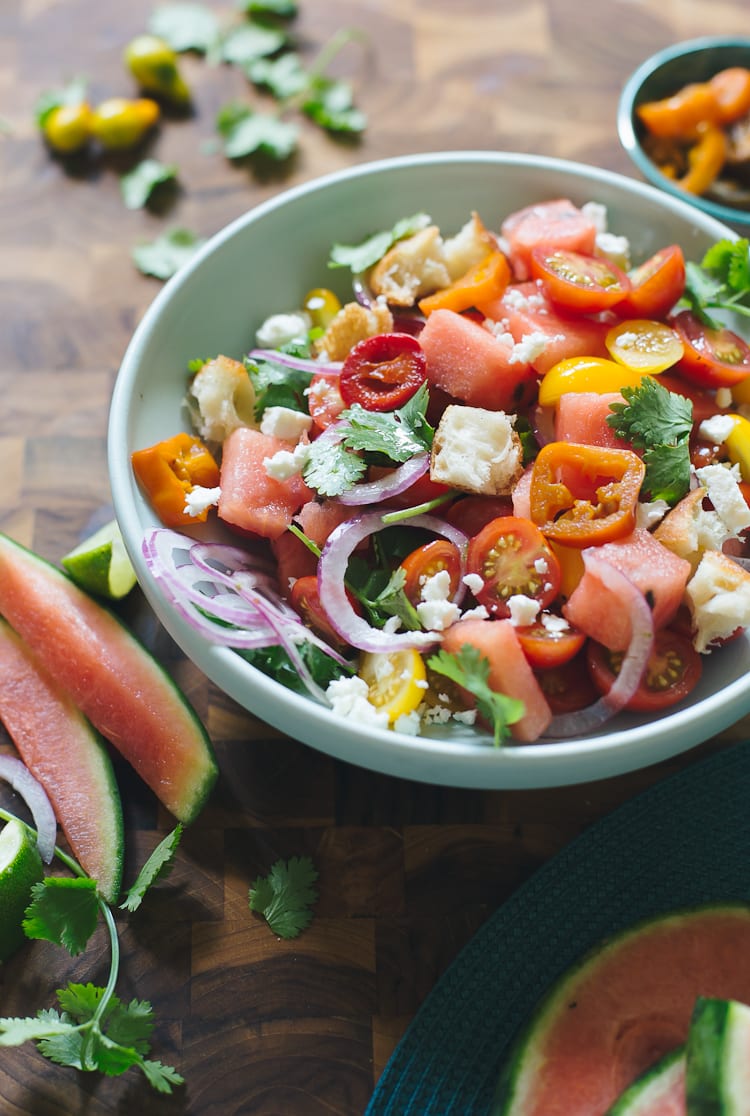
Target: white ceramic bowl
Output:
{"points": [[263, 263]]}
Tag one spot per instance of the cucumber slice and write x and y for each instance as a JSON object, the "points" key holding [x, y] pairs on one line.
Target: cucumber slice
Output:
{"points": [[717, 1074]]}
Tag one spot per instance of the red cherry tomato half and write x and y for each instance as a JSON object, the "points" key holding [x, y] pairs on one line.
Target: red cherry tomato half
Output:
{"points": [[585, 284], [382, 373], [471, 513], [512, 557], [712, 357], [674, 669], [546, 647], [305, 600], [428, 560], [656, 285], [324, 400], [567, 687]]}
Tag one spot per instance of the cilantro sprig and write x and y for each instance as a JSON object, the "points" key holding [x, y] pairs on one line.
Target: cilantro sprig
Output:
{"points": [[92, 1029], [658, 422], [286, 895], [721, 281], [361, 257], [334, 465], [471, 670]]}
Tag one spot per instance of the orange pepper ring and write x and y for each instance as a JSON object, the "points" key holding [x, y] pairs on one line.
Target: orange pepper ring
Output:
{"points": [[169, 470]]}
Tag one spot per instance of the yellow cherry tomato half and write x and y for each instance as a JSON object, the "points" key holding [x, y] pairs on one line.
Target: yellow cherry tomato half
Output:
{"points": [[395, 681], [738, 445], [153, 64], [644, 345], [322, 305], [68, 127], [119, 122], [595, 374]]}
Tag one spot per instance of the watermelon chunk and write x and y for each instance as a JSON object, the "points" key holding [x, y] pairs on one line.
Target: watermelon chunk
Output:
{"points": [[68, 757], [656, 571], [660, 1091], [111, 677], [621, 1009], [469, 363], [555, 224], [510, 672], [581, 416], [251, 499], [717, 1075]]}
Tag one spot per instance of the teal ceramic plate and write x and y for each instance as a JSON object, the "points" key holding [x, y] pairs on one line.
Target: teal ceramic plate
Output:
{"points": [[684, 842]]}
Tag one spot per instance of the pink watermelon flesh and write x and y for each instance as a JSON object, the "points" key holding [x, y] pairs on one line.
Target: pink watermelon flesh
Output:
{"points": [[250, 498], [555, 224], [68, 757], [581, 416], [620, 1010], [112, 679]]}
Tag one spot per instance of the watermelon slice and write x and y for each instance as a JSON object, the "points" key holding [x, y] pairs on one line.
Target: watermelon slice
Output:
{"points": [[621, 1009], [111, 677], [68, 757], [660, 1091], [717, 1075]]}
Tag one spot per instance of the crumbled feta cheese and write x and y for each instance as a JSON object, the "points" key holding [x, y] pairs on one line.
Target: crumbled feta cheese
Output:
{"points": [[392, 624], [500, 331], [649, 514], [199, 499], [281, 329], [723, 397], [287, 463], [349, 698], [597, 214], [408, 723], [517, 300], [722, 486], [717, 428], [465, 716], [435, 714], [616, 249], [523, 610], [531, 346], [478, 613], [554, 623], [436, 611], [473, 582], [285, 422]]}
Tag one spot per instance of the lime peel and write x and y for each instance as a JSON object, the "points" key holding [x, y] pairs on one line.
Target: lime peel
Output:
{"points": [[100, 564]]}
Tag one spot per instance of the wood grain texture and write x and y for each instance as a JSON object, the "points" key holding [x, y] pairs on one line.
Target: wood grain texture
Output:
{"points": [[408, 872]]}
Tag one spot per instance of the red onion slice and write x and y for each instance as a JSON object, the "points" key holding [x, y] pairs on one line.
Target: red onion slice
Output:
{"points": [[302, 364], [13, 771], [392, 484], [332, 568], [634, 662]]}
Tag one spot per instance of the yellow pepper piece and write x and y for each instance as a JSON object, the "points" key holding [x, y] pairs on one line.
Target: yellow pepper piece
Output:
{"points": [[705, 161], [738, 445], [595, 374], [393, 680]]}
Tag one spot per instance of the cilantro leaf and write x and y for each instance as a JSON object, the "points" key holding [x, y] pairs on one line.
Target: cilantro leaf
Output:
{"points": [[246, 133], [720, 282], [164, 256], [471, 670], [186, 27], [393, 601], [284, 77], [284, 9], [276, 385], [361, 257], [331, 105], [331, 468], [63, 911], [659, 422], [156, 867], [15, 1032], [284, 897], [139, 185], [667, 472], [249, 41]]}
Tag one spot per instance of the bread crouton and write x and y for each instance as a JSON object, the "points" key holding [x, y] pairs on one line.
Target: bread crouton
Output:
{"points": [[689, 529], [718, 596], [411, 269], [476, 451], [468, 247], [351, 324], [221, 397]]}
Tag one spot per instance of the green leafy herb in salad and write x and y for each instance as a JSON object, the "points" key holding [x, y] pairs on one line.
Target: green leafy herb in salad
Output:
{"points": [[334, 466], [247, 132], [186, 27], [250, 41], [471, 670], [165, 255], [275, 662], [361, 257], [286, 895], [139, 185], [659, 422], [276, 385], [158, 865], [721, 281], [93, 1030]]}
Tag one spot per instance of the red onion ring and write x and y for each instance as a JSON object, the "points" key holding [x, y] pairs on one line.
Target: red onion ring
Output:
{"points": [[634, 662], [332, 566], [15, 772], [392, 484], [302, 364]]}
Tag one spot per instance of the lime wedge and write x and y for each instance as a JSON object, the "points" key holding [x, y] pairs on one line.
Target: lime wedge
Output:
{"points": [[100, 564], [20, 868]]}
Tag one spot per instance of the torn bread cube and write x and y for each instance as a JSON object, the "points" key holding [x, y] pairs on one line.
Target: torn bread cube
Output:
{"points": [[475, 450], [351, 324], [412, 268], [718, 596], [468, 247], [221, 397]]}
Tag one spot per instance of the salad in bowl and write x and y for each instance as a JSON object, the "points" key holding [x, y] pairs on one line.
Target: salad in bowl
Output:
{"points": [[474, 489]]}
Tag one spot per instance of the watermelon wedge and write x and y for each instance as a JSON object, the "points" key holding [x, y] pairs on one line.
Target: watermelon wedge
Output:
{"points": [[68, 757], [660, 1091], [621, 1009], [111, 677], [717, 1075]]}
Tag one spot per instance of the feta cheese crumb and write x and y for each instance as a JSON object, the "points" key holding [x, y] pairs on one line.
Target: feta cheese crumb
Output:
{"points": [[723, 397], [616, 249], [597, 214], [554, 623], [287, 463], [408, 723], [281, 329], [285, 422], [436, 611], [478, 613], [722, 486], [649, 514], [465, 716], [531, 346], [200, 499], [717, 428], [349, 698], [523, 610], [473, 582]]}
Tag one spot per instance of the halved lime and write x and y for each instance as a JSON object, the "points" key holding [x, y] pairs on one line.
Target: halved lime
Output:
{"points": [[100, 564], [20, 868]]}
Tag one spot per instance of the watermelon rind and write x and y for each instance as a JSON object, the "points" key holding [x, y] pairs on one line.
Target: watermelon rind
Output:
{"points": [[115, 681], [650, 1093], [717, 1076], [532, 1082]]}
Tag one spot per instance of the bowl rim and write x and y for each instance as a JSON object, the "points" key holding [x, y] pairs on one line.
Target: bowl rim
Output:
{"points": [[465, 763], [627, 132]]}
